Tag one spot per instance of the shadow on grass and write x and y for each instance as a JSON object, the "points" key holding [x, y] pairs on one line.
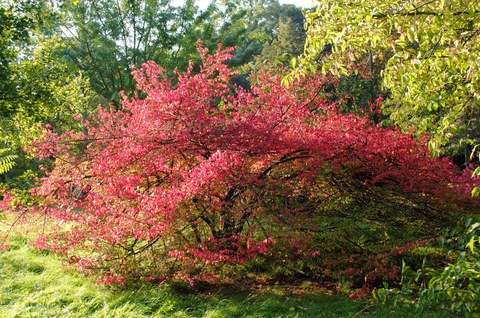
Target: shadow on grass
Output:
{"points": [[34, 284]]}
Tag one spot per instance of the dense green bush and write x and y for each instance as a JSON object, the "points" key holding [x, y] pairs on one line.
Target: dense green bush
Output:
{"points": [[456, 283]]}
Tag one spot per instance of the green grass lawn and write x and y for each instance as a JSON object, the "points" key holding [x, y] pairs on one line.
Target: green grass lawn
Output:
{"points": [[33, 284]]}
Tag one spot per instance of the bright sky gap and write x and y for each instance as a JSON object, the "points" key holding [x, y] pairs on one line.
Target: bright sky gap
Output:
{"points": [[202, 4]]}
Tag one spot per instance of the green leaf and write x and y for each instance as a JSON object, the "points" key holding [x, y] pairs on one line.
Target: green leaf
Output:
{"points": [[294, 62], [471, 244], [7, 161], [476, 190]]}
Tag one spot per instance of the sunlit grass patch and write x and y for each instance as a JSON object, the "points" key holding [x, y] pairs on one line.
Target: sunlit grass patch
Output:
{"points": [[34, 283]]}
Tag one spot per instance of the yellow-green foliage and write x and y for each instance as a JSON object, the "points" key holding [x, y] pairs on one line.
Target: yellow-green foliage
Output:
{"points": [[7, 160], [431, 53]]}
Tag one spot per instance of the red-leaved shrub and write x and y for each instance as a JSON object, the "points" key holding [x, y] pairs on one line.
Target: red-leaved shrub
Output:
{"points": [[194, 174]]}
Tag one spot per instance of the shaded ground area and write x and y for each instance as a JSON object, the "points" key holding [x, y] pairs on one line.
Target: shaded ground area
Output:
{"points": [[34, 284]]}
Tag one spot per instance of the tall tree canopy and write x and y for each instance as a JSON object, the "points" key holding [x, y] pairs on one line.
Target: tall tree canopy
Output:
{"points": [[432, 55], [289, 38], [20, 22], [106, 38], [15, 26], [250, 25]]}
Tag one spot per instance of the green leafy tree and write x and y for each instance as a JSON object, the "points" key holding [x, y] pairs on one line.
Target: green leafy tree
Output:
{"points": [[7, 160], [20, 23], [48, 90], [289, 38], [432, 56], [249, 25], [14, 32], [193, 25], [105, 39]]}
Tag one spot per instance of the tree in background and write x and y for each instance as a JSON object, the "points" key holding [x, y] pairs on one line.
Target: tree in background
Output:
{"points": [[431, 50], [48, 91], [20, 21], [106, 38], [288, 41], [251, 25], [39, 87], [13, 31]]}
